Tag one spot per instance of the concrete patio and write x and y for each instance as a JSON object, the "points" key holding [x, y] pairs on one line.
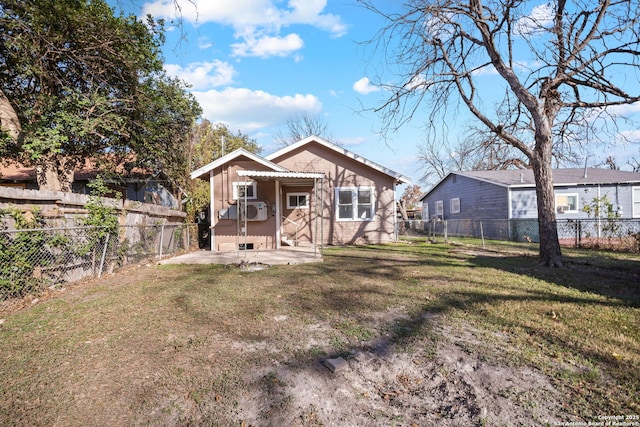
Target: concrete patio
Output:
{"points": [[283, 256]]}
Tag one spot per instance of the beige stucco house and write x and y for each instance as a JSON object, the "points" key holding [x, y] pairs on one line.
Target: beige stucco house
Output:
{"points": [[311, 193]]}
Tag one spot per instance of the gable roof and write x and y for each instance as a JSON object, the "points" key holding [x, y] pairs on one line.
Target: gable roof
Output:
{"points": [[240, 152], [523, 178], [397, 176], [570, 176]]}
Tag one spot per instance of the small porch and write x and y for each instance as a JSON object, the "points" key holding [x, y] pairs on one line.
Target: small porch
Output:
{"points": [[288, 256]]}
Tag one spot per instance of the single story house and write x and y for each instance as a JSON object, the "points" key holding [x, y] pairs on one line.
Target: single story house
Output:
{"points": [[510, 194], [134, 184], [312, 192]]}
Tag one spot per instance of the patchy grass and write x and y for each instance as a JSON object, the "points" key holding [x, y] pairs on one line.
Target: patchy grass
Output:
{"points": [[182, 345]]}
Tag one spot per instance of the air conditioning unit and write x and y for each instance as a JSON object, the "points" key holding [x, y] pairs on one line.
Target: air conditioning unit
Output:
{"points": [[256, 211]]}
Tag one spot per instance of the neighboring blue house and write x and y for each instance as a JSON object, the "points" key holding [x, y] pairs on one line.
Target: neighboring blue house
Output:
{"points": [[510, 194]]}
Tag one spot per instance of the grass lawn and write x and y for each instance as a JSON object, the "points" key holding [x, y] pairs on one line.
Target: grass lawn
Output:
{"points": [[433, 334]]}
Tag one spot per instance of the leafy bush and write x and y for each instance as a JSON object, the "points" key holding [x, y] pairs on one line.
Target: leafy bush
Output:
{"points": [[23, 254]]}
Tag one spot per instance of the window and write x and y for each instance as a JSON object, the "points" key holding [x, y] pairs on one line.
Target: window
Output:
{"points": [[636, 202], [242, 188], [566, 203], [297, 200], [440, 208], [355, 204], [455, 205]]}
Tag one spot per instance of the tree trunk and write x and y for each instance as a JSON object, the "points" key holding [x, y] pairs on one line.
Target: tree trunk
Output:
{"points": [[550, 254], [9, 121], [55, 174]]}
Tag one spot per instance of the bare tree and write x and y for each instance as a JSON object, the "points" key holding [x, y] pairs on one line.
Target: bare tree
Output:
{"points": [[477, 151], [302, 126], [560, 66]]}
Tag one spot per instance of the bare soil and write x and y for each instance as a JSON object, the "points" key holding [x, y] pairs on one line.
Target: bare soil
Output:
{"points": [[429, 384]]}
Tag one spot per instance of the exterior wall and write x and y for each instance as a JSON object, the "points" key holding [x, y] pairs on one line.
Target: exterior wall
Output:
{"points": [[343, 172], [478, 199], [524, 204], [228, 231]]}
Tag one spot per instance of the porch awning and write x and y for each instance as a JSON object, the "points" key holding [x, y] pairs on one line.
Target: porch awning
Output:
{"points": [[281, 175]]}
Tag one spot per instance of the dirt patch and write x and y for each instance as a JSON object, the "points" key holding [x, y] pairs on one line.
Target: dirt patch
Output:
{"points": [[441, 385]]}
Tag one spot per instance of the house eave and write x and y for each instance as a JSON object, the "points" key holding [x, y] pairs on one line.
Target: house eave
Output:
{"points": [[240, 152]]}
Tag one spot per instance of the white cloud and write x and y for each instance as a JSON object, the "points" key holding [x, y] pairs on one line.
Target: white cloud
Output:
{"points": [[249, 110], [268, 46], [310, 12], [539, 20], [631, 136], [624, 110], [356, 140], [256, 23], [202, 75], [487, 70], [364, 86], [204, 43]]}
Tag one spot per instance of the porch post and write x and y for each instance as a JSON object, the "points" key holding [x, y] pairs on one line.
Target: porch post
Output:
{"points": [[315, 217], [395, 214], [212, 216], [278, 214]]}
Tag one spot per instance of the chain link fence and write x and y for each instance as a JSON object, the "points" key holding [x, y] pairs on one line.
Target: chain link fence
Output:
{"points": [[50, 257], [606, 233]]}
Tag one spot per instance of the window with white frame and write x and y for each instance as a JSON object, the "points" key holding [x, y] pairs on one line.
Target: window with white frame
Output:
{"points": [[566, 203], [355, 203], [247, 189], [636, 202], [297, 200], [455, 205], [440, 208]]}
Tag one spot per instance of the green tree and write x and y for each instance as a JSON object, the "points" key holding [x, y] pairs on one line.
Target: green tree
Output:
{"points": [[85, 83], [557, 70], [209, 142]]}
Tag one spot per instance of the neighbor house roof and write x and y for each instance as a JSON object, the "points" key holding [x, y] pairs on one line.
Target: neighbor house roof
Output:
{"points": [[399, 177], [571, 176], [240, 152], [88, 170], [523, 178]]}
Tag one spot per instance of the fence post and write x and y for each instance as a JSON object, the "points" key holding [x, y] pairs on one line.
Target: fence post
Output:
{"points": [[445, 231], [161, 240], [579, 233], [482, 235], [104, 254]]}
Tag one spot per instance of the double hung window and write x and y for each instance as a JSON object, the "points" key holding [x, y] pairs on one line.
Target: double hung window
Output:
{"points": [[355, 203]]}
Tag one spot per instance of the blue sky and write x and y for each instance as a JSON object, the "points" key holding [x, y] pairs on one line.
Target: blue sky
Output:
{"points": [[253, 64]]}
